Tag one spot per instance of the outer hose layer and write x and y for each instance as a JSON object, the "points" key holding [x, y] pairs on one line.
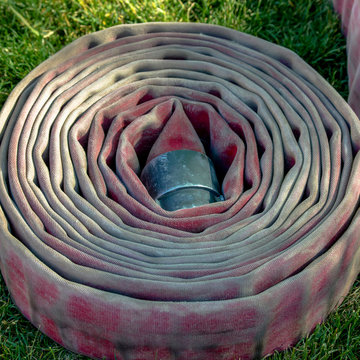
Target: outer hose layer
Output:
{"points": [[94, 262]]}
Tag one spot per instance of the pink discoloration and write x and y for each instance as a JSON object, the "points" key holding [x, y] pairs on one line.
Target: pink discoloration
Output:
{"points": [[157, 322], [80, 309], [228, 155], [17, 283], [231, 292], [47, 291], [194, 323], [286, 325], [233, 319], [49, 327], [199, 117], [177, 134], [348, 253], [247, 318], [105, 317], [95, 347], [148, 353], [316, 314], [322, 282]]}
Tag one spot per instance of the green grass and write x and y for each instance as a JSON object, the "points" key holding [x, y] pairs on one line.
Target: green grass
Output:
{"points": [[32, 30]]}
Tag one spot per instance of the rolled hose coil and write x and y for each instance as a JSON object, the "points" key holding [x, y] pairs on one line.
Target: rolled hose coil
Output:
{"points": [[95, 263]]}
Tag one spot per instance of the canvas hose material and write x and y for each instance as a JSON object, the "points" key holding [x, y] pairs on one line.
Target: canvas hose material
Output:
{"points": [[97, 265]]}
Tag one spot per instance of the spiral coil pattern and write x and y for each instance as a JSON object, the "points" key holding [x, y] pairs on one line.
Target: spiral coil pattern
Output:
{"points": [[97, 265]]}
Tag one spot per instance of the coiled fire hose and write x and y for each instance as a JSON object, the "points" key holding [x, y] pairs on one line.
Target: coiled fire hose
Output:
{"points": [[102, 267]]}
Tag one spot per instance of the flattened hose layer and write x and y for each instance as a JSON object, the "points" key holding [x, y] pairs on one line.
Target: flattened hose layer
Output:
{"points": [[94, 262]]}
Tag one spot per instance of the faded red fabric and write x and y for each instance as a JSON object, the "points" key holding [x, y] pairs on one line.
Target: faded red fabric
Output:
{"points": [[94, 262], [350, 18]]}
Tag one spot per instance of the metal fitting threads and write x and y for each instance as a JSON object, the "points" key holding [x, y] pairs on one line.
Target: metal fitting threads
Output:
{"points": [[181, 179]]}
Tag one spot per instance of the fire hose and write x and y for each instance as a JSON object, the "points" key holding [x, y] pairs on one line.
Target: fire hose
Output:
{"points": [[94, 251]]}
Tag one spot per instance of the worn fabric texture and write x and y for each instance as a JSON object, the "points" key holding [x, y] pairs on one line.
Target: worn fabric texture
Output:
{"points": [[93, 262], [349, 11]]}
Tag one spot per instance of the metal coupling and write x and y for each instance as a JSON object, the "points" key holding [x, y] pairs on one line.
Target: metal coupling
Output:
{"points": [[181, 179]]}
